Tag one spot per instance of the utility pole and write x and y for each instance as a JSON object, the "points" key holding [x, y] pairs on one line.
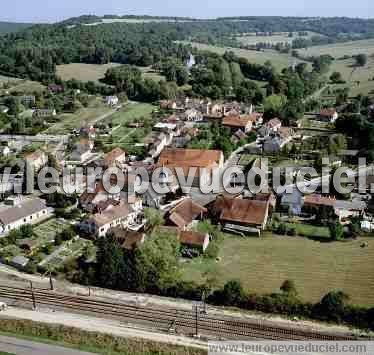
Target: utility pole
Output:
{"points": [[33, 296], [50, 280], [197, 320]]}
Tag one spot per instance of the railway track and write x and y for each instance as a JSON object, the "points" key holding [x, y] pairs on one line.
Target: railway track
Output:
{"points": [[166, 319]]}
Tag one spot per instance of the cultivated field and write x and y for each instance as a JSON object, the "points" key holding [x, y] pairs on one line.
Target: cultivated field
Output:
{"points": [[95, 72], [124, 136], [339, 50], [253, 39], [95, 111], [262, 264], [279, 60]]}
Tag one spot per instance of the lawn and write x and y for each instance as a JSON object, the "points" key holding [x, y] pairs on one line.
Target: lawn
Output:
{"points": [[262, 264], [95, 72], [279, 60], [68, 121]]}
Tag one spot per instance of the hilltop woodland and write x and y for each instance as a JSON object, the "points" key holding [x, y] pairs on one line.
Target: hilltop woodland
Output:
{"points": [[35, 52]]}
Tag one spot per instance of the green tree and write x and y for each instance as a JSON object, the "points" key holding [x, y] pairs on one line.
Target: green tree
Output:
{"points": [[336, 231], [233, 293], [361, 60], [333, 305], [289, 288], [110, 263], [154, 218], [273, 104], [156, 262], [336, 77]]}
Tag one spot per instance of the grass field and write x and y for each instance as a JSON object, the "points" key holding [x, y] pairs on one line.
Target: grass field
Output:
{"points": [[338, 50], [262, 264], [68, 121], [124, 136], [253, 39], [279, 60], [95, 72], [19, 85], [352, 75]]}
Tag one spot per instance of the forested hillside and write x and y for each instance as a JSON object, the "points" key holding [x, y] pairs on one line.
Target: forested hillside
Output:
{"points": [[35, 52], [7, 27]]}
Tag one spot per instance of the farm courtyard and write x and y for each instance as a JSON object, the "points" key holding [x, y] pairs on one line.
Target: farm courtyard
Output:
{"points": [[263, 264]]}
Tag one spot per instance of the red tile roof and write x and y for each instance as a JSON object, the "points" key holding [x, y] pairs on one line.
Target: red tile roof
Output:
{"points": [[319, 200], [236, 121], [189, 158], [110, 158], [192, 238], [251, 212], [185, 212], [328, 112]]}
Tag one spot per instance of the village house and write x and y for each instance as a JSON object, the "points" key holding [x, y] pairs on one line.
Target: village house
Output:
{"points": [[122, 215], [255, 117], [44, 113], [28, 100], [36, 160], [19, 262], [128, 239], [4, 109], [191, 241], [193, 115], [194, 240], [328, 115], [27, 211], [170, 105], [55, 89], [82, 151], [244, 123], [111, 100], [215, 110], [116, 158], [273, 125], [203, 161], [232, 108], [238, 136], [242, 216], [167, 127], [344, 210], [274, 142], [185, 214], [156, 143], [99, 199]]}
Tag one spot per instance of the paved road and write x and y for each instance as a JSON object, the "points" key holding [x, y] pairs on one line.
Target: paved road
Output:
{"points": [[26, 347]]}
